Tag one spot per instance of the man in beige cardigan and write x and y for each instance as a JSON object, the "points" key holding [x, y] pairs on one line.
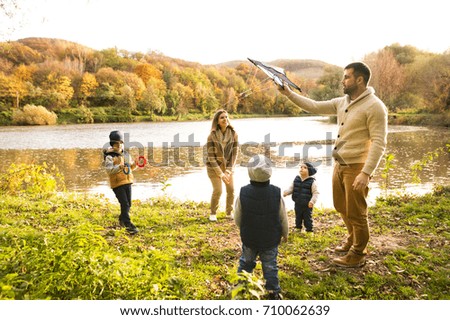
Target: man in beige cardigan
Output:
{"points": [[359, 146]]}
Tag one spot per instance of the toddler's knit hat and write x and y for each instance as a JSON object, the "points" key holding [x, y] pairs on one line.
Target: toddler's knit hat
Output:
{"points": [[259, 168]]}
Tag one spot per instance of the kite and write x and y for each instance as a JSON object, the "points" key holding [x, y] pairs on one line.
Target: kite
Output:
{"points": [[278, 75]]}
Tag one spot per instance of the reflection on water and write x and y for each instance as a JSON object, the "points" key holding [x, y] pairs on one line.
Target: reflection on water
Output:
{"points": [[182, 169], [158, 134]]}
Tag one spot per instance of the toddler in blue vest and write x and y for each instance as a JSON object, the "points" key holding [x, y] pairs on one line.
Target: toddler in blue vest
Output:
{"points": [[304, 193], [261, 216]]}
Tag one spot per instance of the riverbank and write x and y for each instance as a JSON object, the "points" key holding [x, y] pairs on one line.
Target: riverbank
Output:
{"points": [[69, 246], [420, 119], [110, 115]]}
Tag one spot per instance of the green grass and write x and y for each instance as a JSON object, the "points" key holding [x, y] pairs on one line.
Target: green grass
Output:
{"points": [[69, 246]]}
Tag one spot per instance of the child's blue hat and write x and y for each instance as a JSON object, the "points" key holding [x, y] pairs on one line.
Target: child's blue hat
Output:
{"points": [[115, 136], [311, 170]]}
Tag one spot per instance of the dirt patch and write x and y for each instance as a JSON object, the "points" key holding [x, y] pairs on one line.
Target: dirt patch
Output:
{"points": [[384, 244], [380, 245]]}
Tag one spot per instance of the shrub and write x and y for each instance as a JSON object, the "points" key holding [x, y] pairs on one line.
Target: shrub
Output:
{"points": [[86, 115], [5, 117], [100, 115], [31, 179], [34, 115]]}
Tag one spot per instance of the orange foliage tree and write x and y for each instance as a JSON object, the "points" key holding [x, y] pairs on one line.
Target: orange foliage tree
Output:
{"points": [[146, 71]]}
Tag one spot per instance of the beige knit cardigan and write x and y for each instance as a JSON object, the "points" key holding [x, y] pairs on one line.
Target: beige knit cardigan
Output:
{"points": [[362, 126]]}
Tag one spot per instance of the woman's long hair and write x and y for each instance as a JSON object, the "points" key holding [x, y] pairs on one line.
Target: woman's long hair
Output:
{"points": [[215, 121]]}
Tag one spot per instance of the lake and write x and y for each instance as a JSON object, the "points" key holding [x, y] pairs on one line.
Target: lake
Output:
{"points": [[175, 151]]}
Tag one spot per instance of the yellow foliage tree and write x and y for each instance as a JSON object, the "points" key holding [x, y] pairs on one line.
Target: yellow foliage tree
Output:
{"points": [[60, 84], [134, 82], [12, 89], [88, 85], [24, 73], [58, 89]]}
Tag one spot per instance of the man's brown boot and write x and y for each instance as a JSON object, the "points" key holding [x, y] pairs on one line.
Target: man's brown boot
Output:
{"points": [[343, 248], [350, 260]]}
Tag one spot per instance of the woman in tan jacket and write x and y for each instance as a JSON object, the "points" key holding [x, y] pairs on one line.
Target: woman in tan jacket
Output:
{"points": [[222, 148]]}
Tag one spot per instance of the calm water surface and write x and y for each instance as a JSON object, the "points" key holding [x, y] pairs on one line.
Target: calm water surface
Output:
{"points": [[176, 153]]}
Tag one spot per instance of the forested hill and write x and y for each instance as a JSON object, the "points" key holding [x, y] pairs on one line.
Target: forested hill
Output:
{"points": [[81, 84], [37, 50], [61, 75]]}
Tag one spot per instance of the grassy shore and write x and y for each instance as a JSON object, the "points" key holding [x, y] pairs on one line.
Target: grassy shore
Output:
{"points": [[111, 115], [420, 119], [69, 246], [413, 119]]}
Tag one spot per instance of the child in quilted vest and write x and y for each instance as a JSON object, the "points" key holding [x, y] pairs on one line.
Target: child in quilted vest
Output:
{"points": [[119, 167], [304, 193]]}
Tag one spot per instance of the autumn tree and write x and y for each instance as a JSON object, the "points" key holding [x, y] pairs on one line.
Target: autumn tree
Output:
{"points": [[111, 59], [216, 77], [88, 86], [152, 102], [134, 82], [12, 89], [54, 68], [58, 91], [79, 54], [231, 100], [404, 54], [110, 82], [146, 71], [5, 65], [329, 85], [180, 99], [105, 95], [110, 76], [118, 59], [7, 92], [429, 78], [127, 100], [387, 76], [204, 99]]}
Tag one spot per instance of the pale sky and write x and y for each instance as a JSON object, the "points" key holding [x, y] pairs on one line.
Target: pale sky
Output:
{"points": [[210, 32]]}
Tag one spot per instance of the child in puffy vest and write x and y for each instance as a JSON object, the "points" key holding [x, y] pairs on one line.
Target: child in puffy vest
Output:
{"points": [[261, 217], [119, 166], [304, 193]]}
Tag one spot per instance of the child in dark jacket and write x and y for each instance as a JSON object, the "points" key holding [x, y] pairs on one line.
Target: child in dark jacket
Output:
{"points": [[119, 166], [261, 216], [304, 193]]}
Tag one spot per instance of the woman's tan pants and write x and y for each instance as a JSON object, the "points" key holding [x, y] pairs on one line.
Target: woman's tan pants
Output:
{"points": [[217, 192]]}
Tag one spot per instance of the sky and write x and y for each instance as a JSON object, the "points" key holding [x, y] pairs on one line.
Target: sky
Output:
{"points": [[210, 32]]}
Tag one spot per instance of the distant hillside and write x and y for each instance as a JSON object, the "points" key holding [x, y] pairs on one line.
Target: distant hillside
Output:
{"points": [[308, 69], [49, 47], [36, 50]]}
